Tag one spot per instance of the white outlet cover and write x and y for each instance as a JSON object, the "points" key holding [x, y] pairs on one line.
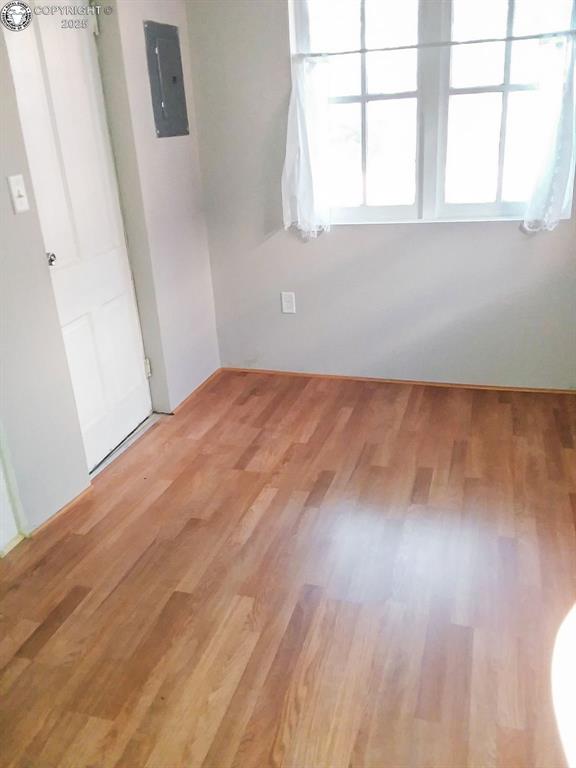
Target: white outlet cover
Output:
{"points": [[288, 300]]}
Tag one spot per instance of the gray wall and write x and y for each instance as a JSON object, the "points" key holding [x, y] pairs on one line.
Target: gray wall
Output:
{"points": [[160, 189], [475, 303], [9, 520], [37, 407]]}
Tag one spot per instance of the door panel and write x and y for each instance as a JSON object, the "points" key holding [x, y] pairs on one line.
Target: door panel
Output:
{"points": [[82, 356], [104, 277], [120, 362], [78, 119], [63, 120]]}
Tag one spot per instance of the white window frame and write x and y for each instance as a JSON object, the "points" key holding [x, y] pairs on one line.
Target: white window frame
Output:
{"points": [[432, 94]]}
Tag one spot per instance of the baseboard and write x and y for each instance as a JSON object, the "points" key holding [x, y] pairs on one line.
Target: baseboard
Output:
{"points": [[11, 544], [61, 511], [198, 389], [413, 382]]}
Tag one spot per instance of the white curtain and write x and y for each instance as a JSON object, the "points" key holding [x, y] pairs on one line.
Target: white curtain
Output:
{"points": [[305, 177], [306, 167], [556, 154]]}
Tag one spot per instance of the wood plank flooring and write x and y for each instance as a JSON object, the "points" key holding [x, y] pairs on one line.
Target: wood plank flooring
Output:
{"points": [[307, 573]]}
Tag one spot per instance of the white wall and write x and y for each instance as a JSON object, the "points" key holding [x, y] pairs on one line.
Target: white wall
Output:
{"points": [[475, 303], [160, 188], [37, 407]]}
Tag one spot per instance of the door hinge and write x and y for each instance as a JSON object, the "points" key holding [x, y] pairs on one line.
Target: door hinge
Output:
{"points": [[147, 367]]}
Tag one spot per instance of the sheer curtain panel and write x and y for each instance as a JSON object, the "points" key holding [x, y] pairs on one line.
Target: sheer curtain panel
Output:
{"points": [[554, 179]]}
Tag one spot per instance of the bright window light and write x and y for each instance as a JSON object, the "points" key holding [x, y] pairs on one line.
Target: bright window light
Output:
{"points": [[523, 128], [476, 65], [391, 23], [478, 21], [473, 146], [391, 156], [345, 155], [392, 71], [564, 684]]}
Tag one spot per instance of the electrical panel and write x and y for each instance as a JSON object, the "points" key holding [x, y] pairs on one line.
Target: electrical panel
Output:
{"points": [[166, 79]]}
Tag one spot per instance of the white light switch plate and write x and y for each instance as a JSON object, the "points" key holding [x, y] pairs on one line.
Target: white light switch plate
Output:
{"points": [[288, 299], [18, 194]]}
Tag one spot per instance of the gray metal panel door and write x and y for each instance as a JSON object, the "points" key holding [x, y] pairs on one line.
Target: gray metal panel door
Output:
{"points": [[166, 79]]}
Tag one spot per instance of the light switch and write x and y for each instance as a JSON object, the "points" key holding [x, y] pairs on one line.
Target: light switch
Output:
{"points": [[18, 194], [288, 299]]}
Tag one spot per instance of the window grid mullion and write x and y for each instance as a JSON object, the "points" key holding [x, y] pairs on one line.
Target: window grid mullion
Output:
{"points": [[504, 119], [421, 122], [442, 107], [363, 95]]}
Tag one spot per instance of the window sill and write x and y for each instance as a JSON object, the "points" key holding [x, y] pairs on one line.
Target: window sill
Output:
{"points": [[479, 220], [446, 214], [342, 223]]}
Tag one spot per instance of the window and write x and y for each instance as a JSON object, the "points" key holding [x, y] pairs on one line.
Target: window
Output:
{"points": [[432, 132]]}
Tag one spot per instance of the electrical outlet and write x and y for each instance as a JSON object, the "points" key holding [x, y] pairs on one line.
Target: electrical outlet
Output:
{"points": [[288, 299]]}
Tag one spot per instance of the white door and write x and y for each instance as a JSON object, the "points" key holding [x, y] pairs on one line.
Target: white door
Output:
{"points": [[61, 107]]}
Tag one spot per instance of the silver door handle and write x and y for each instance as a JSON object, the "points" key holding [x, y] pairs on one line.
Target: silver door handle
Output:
{"points": [[51, 257]]}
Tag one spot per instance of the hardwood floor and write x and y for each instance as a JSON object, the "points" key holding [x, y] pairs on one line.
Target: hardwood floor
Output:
{"points": [[307, 573]]}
